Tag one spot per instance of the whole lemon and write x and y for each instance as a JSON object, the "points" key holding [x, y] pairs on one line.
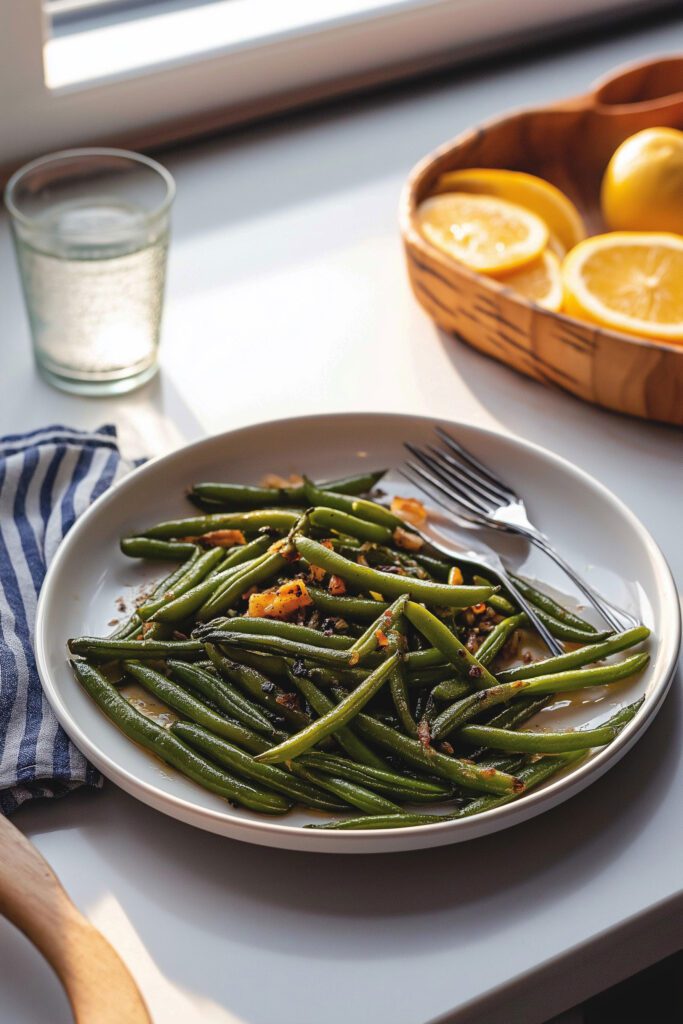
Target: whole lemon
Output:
{"points": [[642, 188]]}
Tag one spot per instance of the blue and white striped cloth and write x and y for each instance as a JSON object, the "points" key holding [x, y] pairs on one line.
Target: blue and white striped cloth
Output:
{"points": [[47, 479]]}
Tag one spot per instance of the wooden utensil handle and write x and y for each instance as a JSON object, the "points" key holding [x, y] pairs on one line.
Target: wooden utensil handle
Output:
{"points": [[99, 986]]}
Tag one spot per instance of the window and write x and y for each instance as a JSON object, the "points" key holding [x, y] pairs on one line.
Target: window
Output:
{"points": [[139, 72]]}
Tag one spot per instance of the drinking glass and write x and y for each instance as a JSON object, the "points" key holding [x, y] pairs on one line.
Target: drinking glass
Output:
{"points": [[91, 229]]}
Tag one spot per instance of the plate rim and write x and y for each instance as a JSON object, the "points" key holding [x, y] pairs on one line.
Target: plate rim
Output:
{"points": [[263, 831]]}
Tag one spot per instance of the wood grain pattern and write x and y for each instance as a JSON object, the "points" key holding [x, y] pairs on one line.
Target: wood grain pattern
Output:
{"points": [[99, 986], [570, 145]]}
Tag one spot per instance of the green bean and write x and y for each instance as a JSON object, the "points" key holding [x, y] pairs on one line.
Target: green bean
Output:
{"points": [[463, 661], [224, 696], [465, 774], [389, 585], [186, 604], [245, 766], [498, 637], [167, 551], [360, 507], [451, 689], [435, 567], [171, 749], [265, 568], [355, 609], [277, 645], [549, 742], [574, 659], [196, 572], [255, 626], [463, 710], [419, 677], [499, 603], [399, 696], [134, 623], [259, 687], [516, 714], [192, 707], [338, 716], [345, 737], [565, 631], [353, 793], [112, 650], [341, 522], [368, 641], [250, 496], [547, 604], [402, 787], [196, 526], [530, 777]]}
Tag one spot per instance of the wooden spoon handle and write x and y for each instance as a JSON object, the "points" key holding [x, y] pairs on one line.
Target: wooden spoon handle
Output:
{"points": [[99, 986]]}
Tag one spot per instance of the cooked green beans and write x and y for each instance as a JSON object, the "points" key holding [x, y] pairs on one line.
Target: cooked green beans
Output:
{"points": [[341, 522], [549, 742], [387, 584], [112, 650], [223, 695], [242, 764], [464, 710], [345, 737], [258, 687], [575, 659], [195, 526], [164, 550], [359, 507], [463, 661], [246, 495], [362, 677], [532, 776], [193, 708], [353, 793], [172, 750], [338, 716]]}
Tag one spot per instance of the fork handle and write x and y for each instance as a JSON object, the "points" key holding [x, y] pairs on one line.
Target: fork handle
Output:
{"points": [[553, 645], [599, 603]]}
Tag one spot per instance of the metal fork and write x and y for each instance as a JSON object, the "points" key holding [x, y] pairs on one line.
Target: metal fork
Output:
{"points": [[481, 558], [483, 499]]}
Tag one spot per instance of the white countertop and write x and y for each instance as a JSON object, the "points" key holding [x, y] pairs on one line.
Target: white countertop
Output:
{"points": [[287, 294]]}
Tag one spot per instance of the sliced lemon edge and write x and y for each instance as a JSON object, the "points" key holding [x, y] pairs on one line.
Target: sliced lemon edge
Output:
{"points": [[538, 232], [493, 181], [580, 300], [554, 298]]}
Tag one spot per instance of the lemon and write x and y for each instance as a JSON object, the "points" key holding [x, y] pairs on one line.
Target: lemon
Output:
{"points": [[629, 281], [536, 194], [486, 233], [642, 189], [540, 281]]}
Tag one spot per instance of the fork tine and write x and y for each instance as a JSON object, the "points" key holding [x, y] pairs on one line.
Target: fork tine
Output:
{"points": [[418, 478], [458, 470], [474, 513], [453, 488], [475, 463]]}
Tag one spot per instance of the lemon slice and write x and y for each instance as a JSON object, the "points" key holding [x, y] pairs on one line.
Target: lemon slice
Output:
{"points": [[540, 281], [630, 281], [536, 194], [486, 233]]}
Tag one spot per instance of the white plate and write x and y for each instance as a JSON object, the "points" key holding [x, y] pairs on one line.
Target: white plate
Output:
{"points": [[596, 532]]}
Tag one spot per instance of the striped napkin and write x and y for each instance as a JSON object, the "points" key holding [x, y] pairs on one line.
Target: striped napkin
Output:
{"points": [[47, 479]]}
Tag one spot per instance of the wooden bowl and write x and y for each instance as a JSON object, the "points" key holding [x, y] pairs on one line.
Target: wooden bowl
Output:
{"points": [[570, 145]]}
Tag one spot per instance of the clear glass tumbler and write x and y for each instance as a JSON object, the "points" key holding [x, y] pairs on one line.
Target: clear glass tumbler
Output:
{"points": [[91, 230]]}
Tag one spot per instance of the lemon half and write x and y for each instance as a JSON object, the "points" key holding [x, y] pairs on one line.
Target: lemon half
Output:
{"points": [[629, 281]]}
